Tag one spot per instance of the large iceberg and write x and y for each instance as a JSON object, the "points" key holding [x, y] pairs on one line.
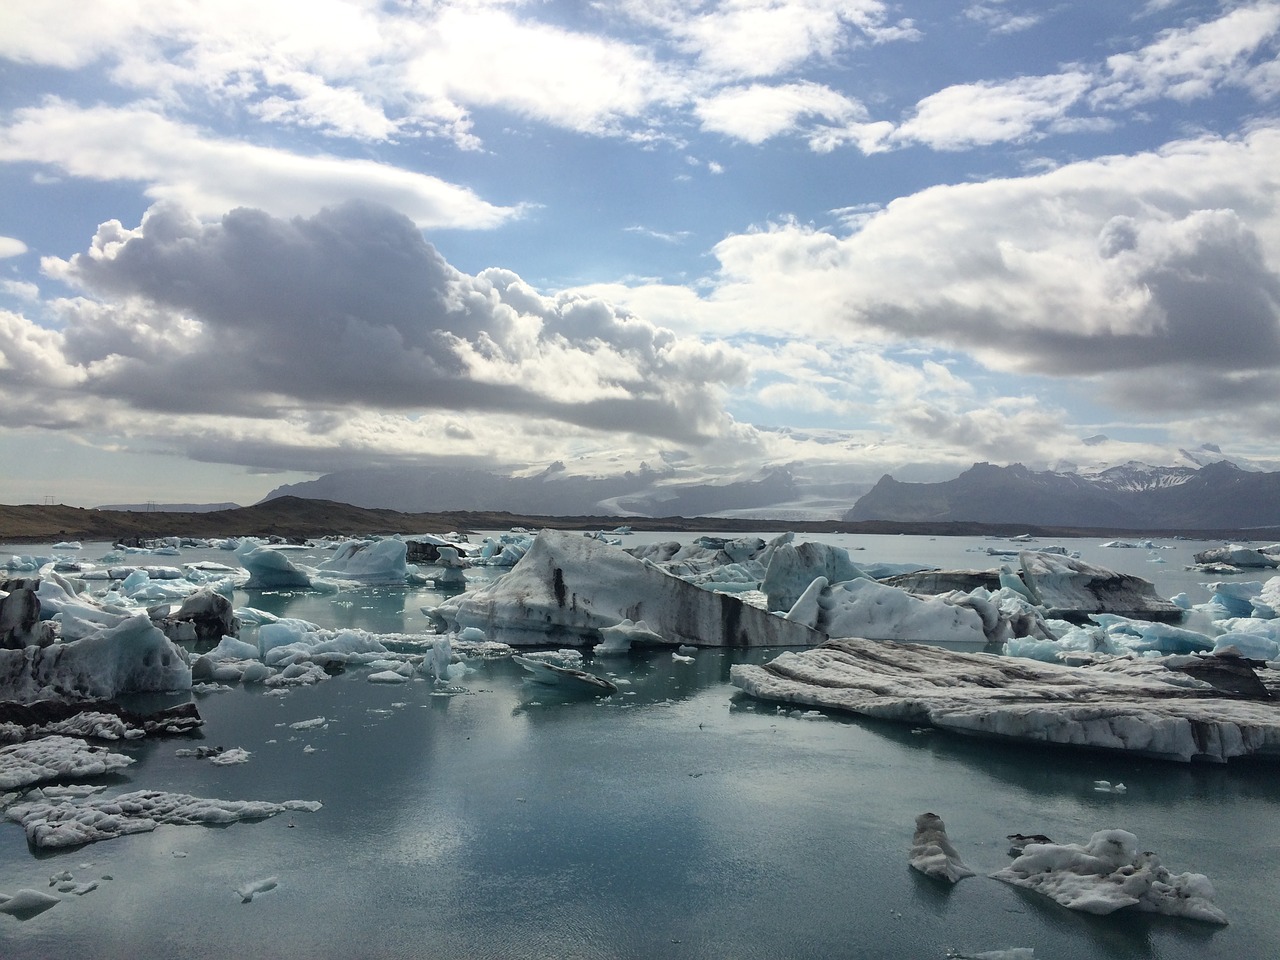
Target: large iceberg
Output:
{"points": [[567, 588], [1143, 708]]}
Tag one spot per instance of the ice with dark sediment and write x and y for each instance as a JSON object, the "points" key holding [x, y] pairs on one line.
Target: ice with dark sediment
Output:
{"points": [[567, 588], [1110, 873], [1134, 706]]}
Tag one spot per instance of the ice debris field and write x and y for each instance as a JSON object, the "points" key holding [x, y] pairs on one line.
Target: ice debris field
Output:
{"points": [[1042, 648]]}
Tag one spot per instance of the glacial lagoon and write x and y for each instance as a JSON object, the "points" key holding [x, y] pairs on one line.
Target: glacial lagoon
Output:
{"points": [[675, 819]]}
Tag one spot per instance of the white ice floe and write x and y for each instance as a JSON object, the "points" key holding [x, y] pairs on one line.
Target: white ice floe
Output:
{"points": [[387, 676], [932, 852], [52, 758], [70, 823], [1139, 707], [1108, 874], [567, 588], [246, 892]]}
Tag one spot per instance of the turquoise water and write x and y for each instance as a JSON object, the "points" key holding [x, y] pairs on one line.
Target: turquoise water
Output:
{"points": [[674, 820]]}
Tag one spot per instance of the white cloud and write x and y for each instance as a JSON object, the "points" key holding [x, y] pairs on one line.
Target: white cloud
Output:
{"points": [[756, 113], [1156, 276], [1191, 62], [977, 114], [11, 247], [1000, 18], [742, 39], [210, 175], [22, 289]]}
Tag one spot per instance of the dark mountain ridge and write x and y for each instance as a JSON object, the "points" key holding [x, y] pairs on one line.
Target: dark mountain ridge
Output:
{"points": [[1132, 496]]}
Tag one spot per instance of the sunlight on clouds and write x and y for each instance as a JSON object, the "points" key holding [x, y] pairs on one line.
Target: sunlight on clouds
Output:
{"points": [[210, 175], [982, 113], [1190, 62], [756, 113]]}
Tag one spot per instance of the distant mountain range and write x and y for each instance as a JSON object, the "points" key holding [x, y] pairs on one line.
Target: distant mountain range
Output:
{"points": [[558, 492], [1132, 496]]}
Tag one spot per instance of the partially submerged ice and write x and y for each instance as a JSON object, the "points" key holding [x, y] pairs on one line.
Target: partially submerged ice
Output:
{"points": [[1141, 707], [568, 588], [1109, 874]]}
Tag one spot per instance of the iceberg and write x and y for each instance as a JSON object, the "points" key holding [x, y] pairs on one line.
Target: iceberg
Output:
{"points": [[1066, 588], [1143, 707], [1236, 555], [566, 589], [1109, 874], [269, 569], [378, 561], [877, 611], [132, 657], [793, 568]]}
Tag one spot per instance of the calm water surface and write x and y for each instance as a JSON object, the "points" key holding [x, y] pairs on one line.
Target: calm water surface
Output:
{"points": [[674, 820]]}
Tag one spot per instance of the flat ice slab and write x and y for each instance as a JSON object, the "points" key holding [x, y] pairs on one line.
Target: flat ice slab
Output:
{"points": [[1018, 699]]}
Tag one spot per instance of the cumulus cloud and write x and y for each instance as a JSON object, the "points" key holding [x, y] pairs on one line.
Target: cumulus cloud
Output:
{"points": [[210, 175], [975, 114], [254, 316], [1187, 63], [1163, 261], [758, 112], [11, 247]]}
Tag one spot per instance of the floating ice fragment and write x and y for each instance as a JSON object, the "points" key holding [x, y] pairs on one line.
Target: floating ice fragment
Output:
{"points": [[932, 853], [387, 676], [69, 823], [311, 724], [248, 891], [1108, 874], [23, 764], [1105, 786]]}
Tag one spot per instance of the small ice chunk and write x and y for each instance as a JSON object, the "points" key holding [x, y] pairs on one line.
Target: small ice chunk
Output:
{"points": [[387, 676], [311, 724], [248, 891], [932, 853]]}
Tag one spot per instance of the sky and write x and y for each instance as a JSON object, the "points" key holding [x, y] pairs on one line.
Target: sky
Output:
{"points": [[248, 243]]}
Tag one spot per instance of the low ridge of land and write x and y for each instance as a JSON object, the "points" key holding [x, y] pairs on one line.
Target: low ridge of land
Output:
{"points": [[299, 518]]}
